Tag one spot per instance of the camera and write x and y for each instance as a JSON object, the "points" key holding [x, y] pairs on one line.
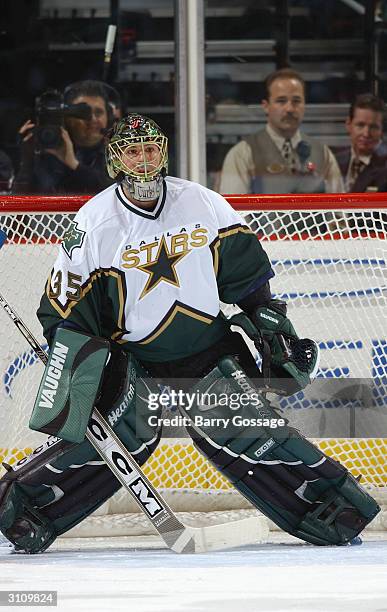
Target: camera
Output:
{"points": [[51, 113]]}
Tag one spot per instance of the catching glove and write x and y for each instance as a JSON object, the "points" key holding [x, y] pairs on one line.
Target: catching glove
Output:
{"points": [[288, 358]]}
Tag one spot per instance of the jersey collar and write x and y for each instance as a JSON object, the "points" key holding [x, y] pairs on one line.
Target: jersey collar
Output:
{"points": [[141, 212]]}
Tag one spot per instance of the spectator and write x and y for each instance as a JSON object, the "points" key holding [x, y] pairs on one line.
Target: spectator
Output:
{"points": [[364, 164], [280, 158], [77, 163]]}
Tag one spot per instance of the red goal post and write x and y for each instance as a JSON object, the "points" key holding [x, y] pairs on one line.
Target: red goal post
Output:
{"points": [[330, 259], [296, 202]]}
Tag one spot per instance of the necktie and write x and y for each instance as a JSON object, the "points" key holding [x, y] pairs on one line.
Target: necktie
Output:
{"points": [[287, 153], [357, 167]]}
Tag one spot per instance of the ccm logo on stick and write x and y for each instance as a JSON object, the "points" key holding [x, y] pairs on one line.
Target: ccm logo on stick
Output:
{"points": [[138, 486], [146, 498]]}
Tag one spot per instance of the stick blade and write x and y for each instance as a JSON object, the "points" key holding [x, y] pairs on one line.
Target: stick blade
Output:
{"points": [[252, 530]]}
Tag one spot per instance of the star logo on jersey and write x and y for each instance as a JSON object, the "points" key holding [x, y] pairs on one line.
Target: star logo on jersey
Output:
{"points": [[73, 238], [162, 269]]}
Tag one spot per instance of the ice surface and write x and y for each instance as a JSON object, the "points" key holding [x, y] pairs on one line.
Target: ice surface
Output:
{"points": [[283, 576]]}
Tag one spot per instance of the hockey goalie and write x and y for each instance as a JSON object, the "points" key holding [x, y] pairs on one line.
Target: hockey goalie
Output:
{"points": [[134, 299]]}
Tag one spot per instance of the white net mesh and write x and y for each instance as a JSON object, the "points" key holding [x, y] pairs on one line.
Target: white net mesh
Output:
{"points": [[330, 267]]}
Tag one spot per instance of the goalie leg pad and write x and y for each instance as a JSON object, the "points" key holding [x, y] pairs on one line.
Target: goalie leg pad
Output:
{"points": [[305, 492], [61, 483]]}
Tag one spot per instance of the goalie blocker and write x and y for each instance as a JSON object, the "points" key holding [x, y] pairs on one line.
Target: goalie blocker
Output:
{"points": [[62, 482]]}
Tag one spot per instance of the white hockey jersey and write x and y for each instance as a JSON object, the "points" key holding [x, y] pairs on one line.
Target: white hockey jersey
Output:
{"points": [[153, 280]]}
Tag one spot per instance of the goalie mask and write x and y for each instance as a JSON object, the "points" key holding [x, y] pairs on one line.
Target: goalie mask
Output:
{"points": [[137, 155]]}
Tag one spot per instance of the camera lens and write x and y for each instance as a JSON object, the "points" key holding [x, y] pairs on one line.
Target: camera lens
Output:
{"points": [[49, 119], [49, 136]]}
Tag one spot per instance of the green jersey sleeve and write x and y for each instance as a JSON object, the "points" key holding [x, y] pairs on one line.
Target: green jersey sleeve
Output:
{"points": [[241, 265]]}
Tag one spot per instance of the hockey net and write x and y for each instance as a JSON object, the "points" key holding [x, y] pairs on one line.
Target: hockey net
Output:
{"points": [[329, 256]]}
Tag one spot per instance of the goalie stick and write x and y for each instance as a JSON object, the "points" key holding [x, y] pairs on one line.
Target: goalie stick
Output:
{"points": [[179, 537]]}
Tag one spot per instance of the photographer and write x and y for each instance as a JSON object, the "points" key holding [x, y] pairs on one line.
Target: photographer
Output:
{"points": [[63, 150]]}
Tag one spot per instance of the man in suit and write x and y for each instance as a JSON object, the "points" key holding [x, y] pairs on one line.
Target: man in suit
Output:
{"points": [[280, 158], [364, 164]]}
